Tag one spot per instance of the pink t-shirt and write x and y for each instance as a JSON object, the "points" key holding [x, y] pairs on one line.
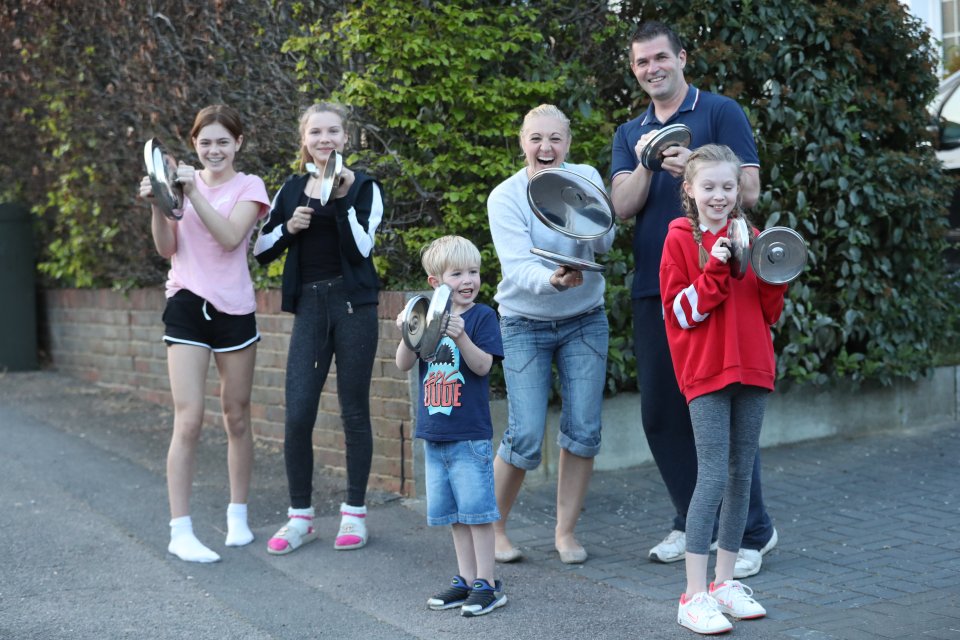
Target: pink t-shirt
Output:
{"points": [[204, 267]]}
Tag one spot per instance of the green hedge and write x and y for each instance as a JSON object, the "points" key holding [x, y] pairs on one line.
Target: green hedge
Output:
{"points": [[836, 95]]}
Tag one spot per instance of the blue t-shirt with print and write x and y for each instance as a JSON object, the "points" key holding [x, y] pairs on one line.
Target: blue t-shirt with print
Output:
{"points": [[713, 119], [454, 401]]}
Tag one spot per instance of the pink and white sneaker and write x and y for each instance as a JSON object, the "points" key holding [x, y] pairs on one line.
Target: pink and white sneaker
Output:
{"points": [[701, 613], [736, 599]]}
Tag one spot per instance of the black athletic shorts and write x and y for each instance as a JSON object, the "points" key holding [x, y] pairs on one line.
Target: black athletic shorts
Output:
{"points": [[189, 319]]}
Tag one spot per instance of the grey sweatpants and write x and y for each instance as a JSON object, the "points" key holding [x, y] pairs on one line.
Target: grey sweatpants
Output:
{"points": [[726, 428]]}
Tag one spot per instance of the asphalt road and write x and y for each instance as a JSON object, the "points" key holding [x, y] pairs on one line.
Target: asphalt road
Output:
{"points": [[868, 542], [85, 524]]}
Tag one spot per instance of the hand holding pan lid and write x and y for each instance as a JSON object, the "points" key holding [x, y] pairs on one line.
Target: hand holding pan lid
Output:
{"points": [[670, 136], [329, 176], [573, 206], [414, 322], [740, 237], [438, 315], [162, 171]]}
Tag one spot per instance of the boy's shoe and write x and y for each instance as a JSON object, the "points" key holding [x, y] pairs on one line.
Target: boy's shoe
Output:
{"points": [[673, 548], [454, 596], [701, 613], [353, 528], [736, 599], [483, 598]]}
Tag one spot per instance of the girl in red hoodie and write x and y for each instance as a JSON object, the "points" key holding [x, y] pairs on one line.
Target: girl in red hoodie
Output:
{"points": [[718, 328]]}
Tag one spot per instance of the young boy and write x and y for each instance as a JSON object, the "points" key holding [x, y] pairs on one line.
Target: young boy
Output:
{"points": [[454, 422]]}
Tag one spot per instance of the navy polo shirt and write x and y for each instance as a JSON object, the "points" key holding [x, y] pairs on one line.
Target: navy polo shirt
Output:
{"points": [[712, 119]]}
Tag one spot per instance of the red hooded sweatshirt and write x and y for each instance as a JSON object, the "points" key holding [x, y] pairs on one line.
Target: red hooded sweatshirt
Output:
{"points": [[718, 327]]}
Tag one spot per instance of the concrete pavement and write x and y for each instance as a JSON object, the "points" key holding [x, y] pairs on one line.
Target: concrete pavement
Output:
{"points": [[869, 544]]}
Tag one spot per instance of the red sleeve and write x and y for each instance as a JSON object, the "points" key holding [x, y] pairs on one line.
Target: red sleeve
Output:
{"points": [[688, 304], [771, 300], [771, 296]]}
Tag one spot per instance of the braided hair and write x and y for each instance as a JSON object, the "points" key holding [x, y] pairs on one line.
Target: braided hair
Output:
{"points": [[709, 154]]}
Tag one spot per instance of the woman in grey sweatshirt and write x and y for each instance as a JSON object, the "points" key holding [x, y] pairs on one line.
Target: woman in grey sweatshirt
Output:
{"points": [[549, 315]]}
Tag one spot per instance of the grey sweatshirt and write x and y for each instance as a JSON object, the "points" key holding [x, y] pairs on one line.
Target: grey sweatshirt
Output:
{"points": [[525, 288]]}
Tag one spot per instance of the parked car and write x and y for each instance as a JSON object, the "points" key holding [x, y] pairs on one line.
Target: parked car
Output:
{"points": [[945, 110]]}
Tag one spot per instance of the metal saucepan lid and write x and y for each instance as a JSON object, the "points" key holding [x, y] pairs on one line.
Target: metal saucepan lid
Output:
{"points": [[670, 136], [739, 235], [438, 315], [569, 203], [329, 176], [779, 255], [162, 170], [567, 261], [414, 321]]}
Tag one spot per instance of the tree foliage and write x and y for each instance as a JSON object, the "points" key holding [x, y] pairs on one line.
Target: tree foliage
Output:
{"points": [[836, 94], [86, 83], [441, 108]]}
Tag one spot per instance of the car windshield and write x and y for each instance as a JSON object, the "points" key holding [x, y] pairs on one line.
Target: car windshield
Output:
{"points": [[945, 89]]}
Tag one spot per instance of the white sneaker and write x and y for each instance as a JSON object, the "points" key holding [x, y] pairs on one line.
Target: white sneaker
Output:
{"points": [[673, 548], [750, 560], [736, 599], [701, 613]]}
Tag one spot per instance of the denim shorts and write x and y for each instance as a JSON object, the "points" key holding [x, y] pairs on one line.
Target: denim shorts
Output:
{"points": [[578, 346], [460, 482]]}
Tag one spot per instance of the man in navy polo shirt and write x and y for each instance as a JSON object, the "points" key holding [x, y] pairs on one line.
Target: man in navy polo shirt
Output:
{"points": [[657, 59]]}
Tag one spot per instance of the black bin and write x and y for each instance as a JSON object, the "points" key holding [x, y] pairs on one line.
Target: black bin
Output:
{"points": [[18, 320]]}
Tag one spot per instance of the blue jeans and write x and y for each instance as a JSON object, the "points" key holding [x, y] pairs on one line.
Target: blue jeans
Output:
{"points": [[579, 347], [666, 423], [459, 478]]}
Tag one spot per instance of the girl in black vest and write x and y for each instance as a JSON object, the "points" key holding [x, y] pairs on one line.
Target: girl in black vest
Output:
{"points": [[330, 284]]}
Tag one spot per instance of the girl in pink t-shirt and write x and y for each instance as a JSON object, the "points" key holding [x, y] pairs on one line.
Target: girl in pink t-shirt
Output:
{"points": [[210, 308]]}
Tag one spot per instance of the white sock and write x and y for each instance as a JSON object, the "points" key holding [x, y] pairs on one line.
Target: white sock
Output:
{"points": [[352, 525], [238, 532], [185, 545], [300, 519]]}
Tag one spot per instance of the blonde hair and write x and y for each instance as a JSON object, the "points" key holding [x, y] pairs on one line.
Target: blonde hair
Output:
{"points": [[320, 107], [710, 154], [448, 252], [545, 111]]}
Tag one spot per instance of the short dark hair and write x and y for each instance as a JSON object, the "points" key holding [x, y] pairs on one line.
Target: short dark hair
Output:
{"points": [[652, 29]]}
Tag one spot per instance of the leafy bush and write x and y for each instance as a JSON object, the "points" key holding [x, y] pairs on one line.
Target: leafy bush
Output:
{"points": [[836, 95], [441, 110], [86, 83]]}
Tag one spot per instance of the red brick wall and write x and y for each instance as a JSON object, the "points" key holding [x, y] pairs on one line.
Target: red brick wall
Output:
{"points": [[113, 338]]}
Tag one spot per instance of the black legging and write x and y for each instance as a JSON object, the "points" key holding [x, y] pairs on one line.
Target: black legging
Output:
{"points": [[325, 326]]}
